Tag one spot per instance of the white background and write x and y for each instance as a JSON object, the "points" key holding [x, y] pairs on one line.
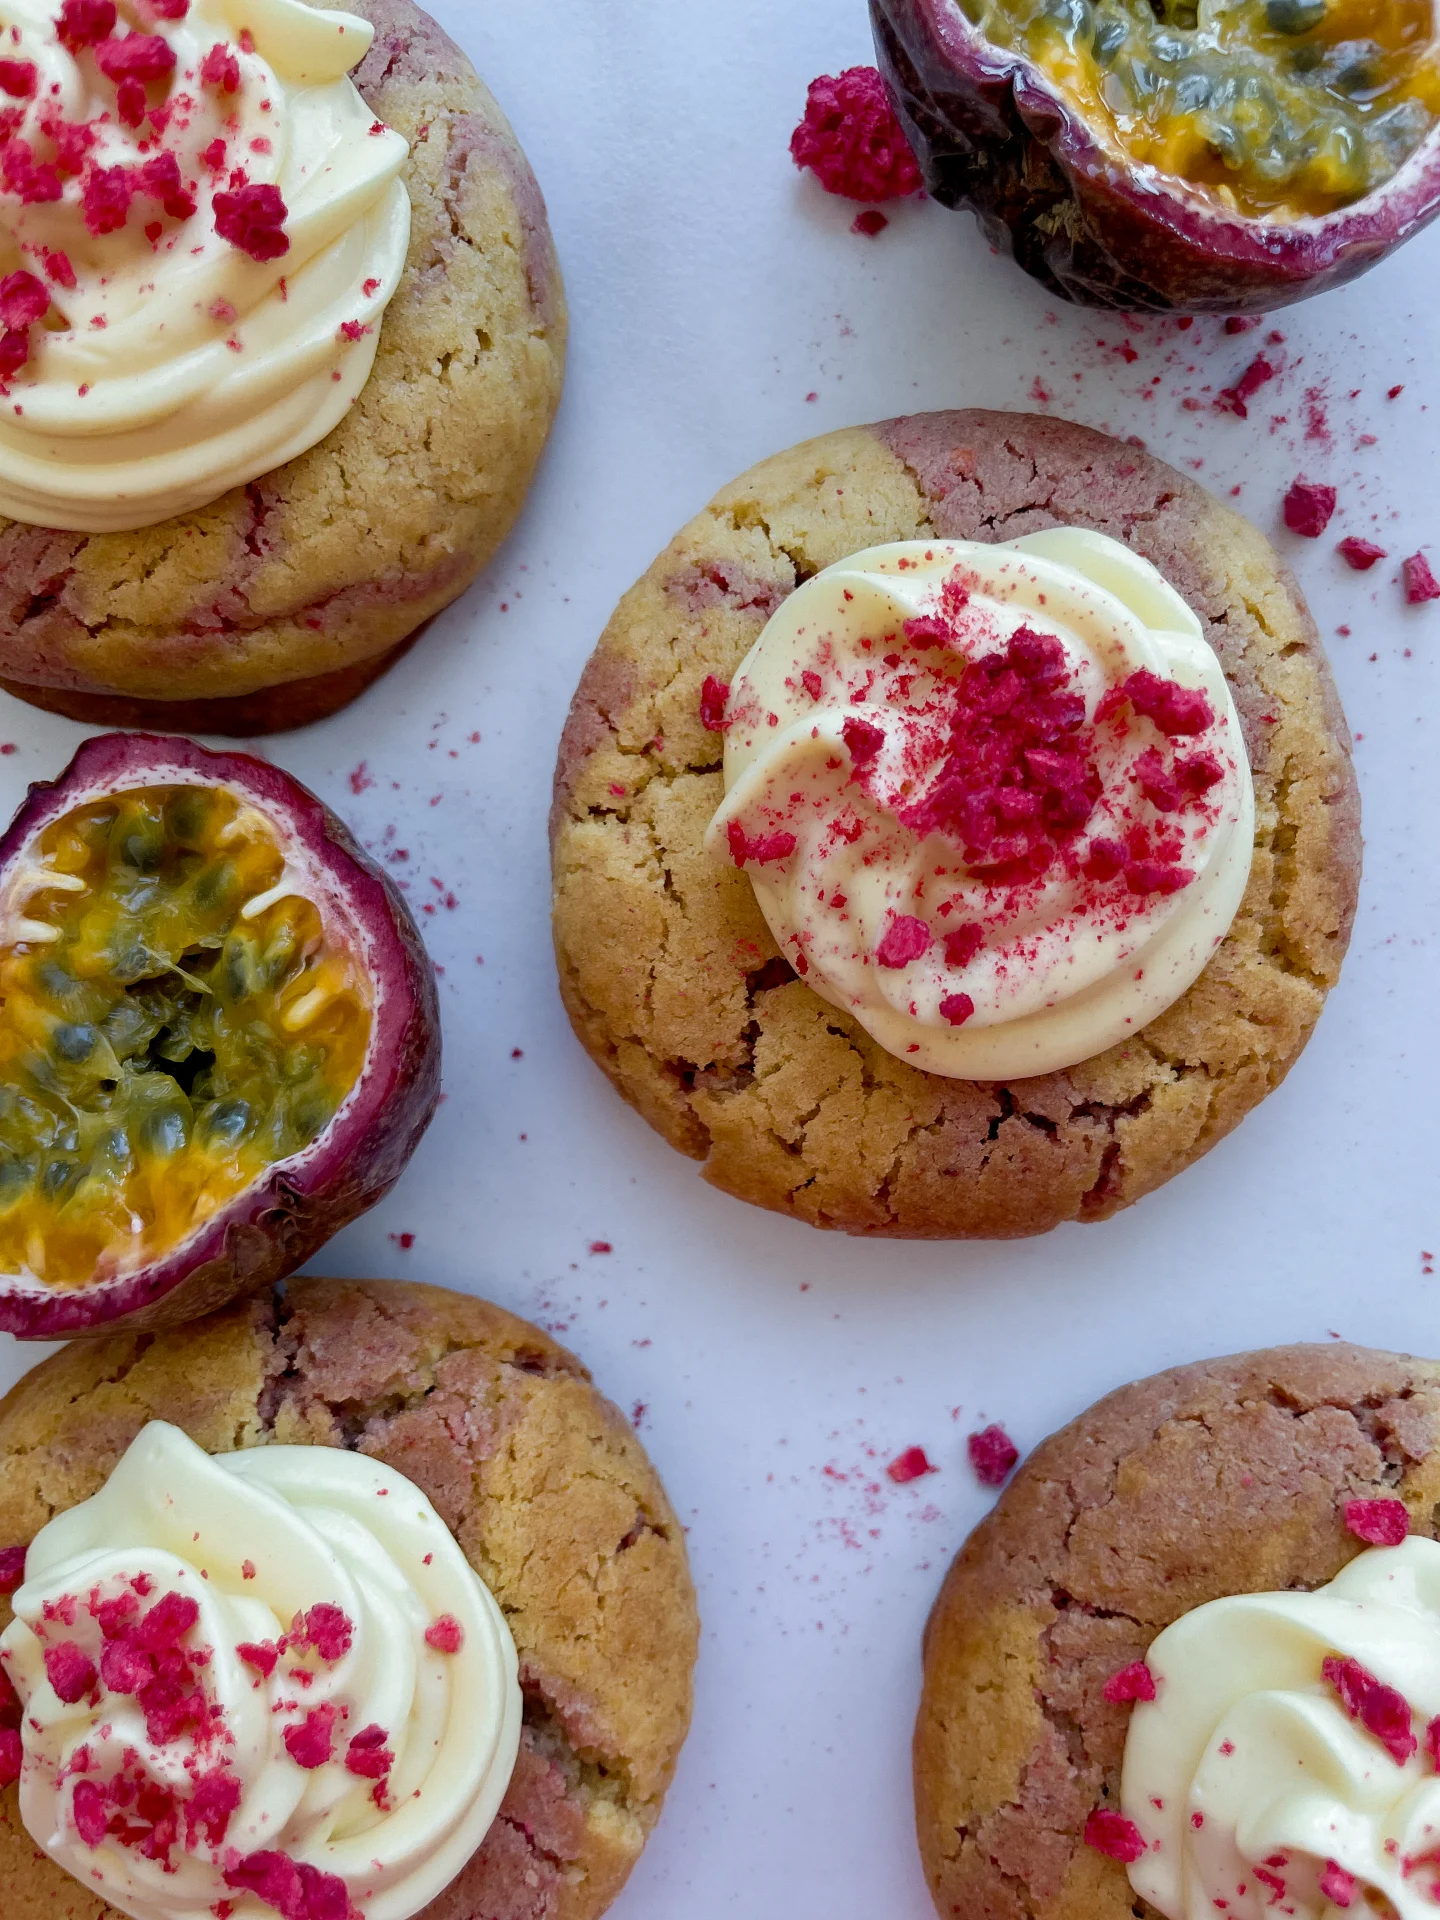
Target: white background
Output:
{"points": [[723, 310]]}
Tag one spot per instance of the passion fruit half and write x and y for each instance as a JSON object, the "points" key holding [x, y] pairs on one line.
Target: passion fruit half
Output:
{"points": [[219, 1036], [1176, 155]]}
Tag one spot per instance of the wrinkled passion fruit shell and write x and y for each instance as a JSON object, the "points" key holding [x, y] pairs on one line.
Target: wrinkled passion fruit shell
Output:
{"points": [[994, 135], [294, 1205]]}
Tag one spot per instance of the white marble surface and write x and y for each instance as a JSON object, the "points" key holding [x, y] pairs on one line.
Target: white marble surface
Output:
{"points": [[723, 310]]}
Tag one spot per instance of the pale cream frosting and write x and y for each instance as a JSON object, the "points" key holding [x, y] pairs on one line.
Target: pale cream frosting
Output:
{"points": [[258, 1538], [1255, 1789], [1066, 965], [171, 364]]}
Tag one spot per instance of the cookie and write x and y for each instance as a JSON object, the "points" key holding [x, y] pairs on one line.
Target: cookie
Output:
{"points": [[670, 975], [1225, 1477], [284, 599], [541, 1480]]}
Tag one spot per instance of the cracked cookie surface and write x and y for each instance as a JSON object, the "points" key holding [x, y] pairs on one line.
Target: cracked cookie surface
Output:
{"points": [[541, 1480], [286, 597], [671, 977], [1229, 1476]]}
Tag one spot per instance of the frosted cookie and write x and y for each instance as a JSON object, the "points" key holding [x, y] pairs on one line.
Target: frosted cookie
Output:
{"points": [[1187, 1666], [431, 1553], [954, 831], [281, 348]]}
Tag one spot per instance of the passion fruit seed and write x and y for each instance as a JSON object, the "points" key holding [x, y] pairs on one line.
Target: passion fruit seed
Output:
{"points": [[1278, 105], [168, 1029]]}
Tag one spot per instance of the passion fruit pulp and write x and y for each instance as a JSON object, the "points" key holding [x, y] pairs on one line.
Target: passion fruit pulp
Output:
{"points": [[1184, 155], [218, 1036]]}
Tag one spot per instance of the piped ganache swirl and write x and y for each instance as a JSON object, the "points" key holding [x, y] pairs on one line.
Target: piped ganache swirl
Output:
{"points": [[258, 1682], [201, 224], [993, 800]]}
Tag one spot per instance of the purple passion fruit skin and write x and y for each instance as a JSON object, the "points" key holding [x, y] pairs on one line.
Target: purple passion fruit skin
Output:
{"points": [[200, 1083], [995, 135]]}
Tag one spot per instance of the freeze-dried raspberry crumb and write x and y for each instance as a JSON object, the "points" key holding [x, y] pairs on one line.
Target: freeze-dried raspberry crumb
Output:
{"points": [[1145, 877], [1432, 1742], [88, 1807], [851, 141], [59, 269], [252, 219], [12, 1755], [1360, 554], [863, 740], [714, 696], [1337, 1885], [105, 199], [1233, 399], [125, 1668], [812, 683], [1420, 582], [214, 156], [70, 1671], [12, 1568], [210, 1807], [19, 78], [760, 849], [262, 1655], [326, 1628], [1381, 1710], [169, 9], [1174, 709], [962, 944], [221, 68], [34, 185], [167, 1622], [1135, 1682], [956, 1009], [869, 223], [1199, 773], [294, 1889], [904, 940], [1112, 1834], [353, 330], [14, 353], [368, 1756], [311, 1743], [84, 23], [144, 57], [160, 179], [909, 1465], [1380, 1523], [1105, 859], [1308, 508], [445, 1635], [992, 1454]]}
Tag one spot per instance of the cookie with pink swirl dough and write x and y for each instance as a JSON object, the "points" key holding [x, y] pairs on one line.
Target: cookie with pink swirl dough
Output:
{"points": [[672, 979], [543, 1483], [286, 598], [1224, 1477]]}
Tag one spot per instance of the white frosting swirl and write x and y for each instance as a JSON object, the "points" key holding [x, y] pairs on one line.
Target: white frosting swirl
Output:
{"points": [[258, 1538], [992, 888], [1256, 1789], [174, 362]]}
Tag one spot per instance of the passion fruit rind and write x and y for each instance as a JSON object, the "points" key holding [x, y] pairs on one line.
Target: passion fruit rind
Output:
{"points": [[385, 1094], [993, 134]]}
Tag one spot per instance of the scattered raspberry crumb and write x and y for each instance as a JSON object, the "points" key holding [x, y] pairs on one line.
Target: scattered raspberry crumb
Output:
{"points": [[353, 330], [23, 300], [992, 1454], [869, 223], [956, 1009], [1395, 393], [601, 1246], [760, 849], [1381, 1710], [1112, 1834], [403, 1240], [19, 78], [262, 1655], [851, 141], [909, 1465], [370, 289], [8, 747], [84, 23], [367, 1754], [1233, 399], [1360, 554], [1243, 323], [714, 696], [1420, 582], [1337, 1885], [1135, 1682], [12, 1755], [59, 269], [312, 1742], [863, 739], [1308, 508], [905, 939], [247, 1569], [1380, 1523], [252, 219], [294, 1889], [361, 779], [445, 1635], [70, 1671], [12, 1559]]}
